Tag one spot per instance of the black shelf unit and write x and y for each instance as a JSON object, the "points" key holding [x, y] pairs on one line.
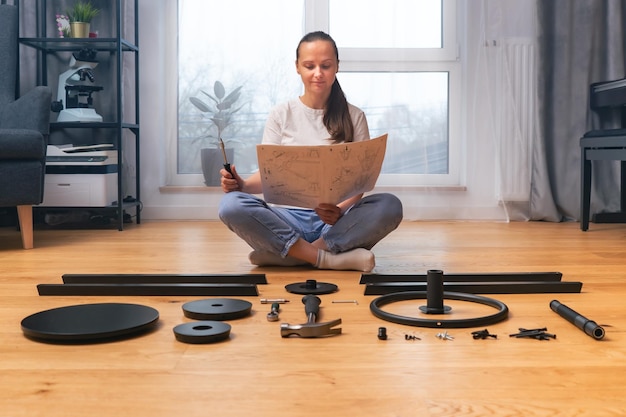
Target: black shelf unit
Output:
{"points": [[119, 49]]}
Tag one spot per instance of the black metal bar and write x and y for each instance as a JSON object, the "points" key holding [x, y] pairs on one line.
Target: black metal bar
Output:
{"points": [[164, 278], [515, 287], [148, 289], [590, 327], [462, 277]]}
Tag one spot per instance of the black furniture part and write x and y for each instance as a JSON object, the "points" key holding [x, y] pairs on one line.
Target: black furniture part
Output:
{"points": [[608, 100]]}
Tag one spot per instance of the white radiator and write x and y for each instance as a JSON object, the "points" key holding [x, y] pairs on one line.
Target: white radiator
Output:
{"points": [[514, 64]]}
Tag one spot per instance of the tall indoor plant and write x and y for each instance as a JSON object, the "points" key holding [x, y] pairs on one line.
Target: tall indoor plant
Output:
{"points": [[219, 109], [80, 16]]}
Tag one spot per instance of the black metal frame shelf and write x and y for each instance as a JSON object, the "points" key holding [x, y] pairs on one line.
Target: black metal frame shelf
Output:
{"points": [[95, 125], [69, 44], [119, 47]]}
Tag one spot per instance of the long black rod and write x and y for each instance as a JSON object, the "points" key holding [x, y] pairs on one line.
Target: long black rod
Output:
{"points": [[461, 277], [164, 278], [519, 287], [148, 289]]}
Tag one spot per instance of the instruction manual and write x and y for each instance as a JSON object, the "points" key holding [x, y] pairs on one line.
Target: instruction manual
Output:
{"points": [[305, 176]]}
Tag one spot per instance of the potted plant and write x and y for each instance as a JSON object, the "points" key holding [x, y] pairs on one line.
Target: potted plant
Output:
{"points": [[219, 109], [80, 16]]}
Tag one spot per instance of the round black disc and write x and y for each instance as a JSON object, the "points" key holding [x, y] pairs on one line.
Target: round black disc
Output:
{"points": [[311, 287], [217, 309], [202, 332], [89, 322]]}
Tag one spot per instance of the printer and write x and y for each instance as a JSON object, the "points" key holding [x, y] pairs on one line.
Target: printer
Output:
{"points": [[80, 176]]}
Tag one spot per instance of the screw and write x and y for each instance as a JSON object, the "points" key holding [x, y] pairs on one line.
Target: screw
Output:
{"points": [[444, 336], [542, 329], [483, 334], [539, 334]]}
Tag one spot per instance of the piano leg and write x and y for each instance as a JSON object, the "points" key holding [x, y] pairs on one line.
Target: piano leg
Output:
{"points": [[620, 216], [585, 192]]}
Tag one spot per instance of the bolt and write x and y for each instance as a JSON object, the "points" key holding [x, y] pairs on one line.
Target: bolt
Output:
{"points": [[483, 334], [444, 336], [273, 315]]}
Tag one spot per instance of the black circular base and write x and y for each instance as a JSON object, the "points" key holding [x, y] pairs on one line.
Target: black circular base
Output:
{"points": [[311, 287], [89, 322], [217, 309], [375, 308], [202, 332]]}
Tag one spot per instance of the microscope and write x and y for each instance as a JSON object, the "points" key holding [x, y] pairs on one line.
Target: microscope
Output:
{"points": [[74, 101]]}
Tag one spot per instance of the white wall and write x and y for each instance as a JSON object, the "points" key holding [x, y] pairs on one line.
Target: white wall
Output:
{"points": [[478, 200]]}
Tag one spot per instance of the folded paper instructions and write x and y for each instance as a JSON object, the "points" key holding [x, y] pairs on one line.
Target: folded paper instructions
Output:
{"points": [[306, 176]]}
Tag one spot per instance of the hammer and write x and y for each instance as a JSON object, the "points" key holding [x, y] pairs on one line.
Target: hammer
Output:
{"points": [[311, 328]]}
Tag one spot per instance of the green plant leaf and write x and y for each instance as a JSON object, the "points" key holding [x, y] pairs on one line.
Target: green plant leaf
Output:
{"points": [[230, 99], [82, 12], [201, 105], [219, 90], [221, 113], [220, 122], [216, 101]]}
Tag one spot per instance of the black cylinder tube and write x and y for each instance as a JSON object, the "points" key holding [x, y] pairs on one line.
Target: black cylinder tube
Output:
{"points": [[434, 288], [590, 327], [434, 293]]}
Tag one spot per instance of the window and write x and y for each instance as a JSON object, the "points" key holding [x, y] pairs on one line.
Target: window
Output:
{"points": [[398, 62]]}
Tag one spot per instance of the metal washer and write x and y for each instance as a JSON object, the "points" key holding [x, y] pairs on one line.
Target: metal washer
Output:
{"points": [[200, 332], [217, 309], [311, 287]]}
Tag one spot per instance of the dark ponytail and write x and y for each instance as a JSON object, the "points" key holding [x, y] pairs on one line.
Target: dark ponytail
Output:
{"points": [[336, 114]]}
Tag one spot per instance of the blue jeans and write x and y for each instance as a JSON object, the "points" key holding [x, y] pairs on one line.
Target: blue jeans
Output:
{"points": [[275, 229]]}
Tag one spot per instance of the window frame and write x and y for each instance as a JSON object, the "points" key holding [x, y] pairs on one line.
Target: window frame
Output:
{"points": [[445, 59]]}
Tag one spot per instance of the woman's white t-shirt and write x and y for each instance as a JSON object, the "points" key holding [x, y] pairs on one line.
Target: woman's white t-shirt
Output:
{"points": [[293, 123]]}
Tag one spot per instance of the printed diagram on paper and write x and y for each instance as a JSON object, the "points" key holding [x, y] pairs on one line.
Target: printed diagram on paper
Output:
{"points": [[306, 176]]}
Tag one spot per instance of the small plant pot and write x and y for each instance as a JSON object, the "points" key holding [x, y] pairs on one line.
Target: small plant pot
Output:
{"points": [[212, 162], [79, 29]]}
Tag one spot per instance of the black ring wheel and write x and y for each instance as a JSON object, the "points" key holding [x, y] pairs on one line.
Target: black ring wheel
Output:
{"points": [[501, 314]]}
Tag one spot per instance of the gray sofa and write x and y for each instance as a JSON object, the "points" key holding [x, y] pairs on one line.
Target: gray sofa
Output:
{"points": [[24, 128]]}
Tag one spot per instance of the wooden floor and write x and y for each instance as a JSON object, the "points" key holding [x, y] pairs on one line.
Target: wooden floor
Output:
{"points": [[257, 373]]}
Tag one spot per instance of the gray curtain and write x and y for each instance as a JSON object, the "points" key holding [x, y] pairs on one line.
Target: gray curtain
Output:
{"points": [[581, 42]]}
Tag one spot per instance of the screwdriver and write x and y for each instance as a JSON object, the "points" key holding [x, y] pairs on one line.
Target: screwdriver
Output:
{"points": [[226, 163]]}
